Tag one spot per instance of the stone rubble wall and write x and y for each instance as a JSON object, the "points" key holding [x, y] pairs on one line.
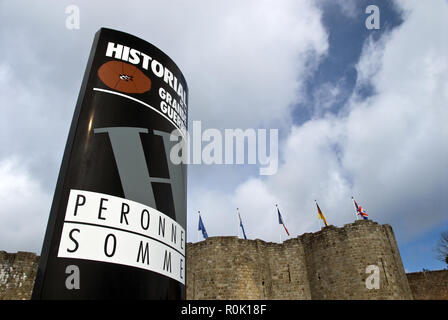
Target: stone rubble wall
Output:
{"points": [[429, 285], [17, 274]]}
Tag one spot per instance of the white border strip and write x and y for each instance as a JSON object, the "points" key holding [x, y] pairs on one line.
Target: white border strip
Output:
{"points": [[143, 103]]}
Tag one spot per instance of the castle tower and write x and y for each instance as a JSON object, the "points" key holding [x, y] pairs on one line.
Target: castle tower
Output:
{"points": [[338, 261], [330, 264]]}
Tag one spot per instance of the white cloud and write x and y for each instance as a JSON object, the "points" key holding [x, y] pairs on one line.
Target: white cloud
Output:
{"points": [[387, 150], [370, 61], [327, 96], [394, 145], [253, 52], [24, 208]]}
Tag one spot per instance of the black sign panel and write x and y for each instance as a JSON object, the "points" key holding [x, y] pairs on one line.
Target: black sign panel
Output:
{"points": [[117, 226]]}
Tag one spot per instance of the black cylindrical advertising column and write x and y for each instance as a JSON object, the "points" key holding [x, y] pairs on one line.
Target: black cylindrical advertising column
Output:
{"points": [[117, 225]]}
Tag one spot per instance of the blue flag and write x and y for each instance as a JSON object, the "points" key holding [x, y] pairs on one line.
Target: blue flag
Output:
{"points": [[242, 227], [202, 228]]}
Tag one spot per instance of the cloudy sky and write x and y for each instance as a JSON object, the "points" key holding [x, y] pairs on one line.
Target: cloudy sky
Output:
{"points": [[360, 112]]}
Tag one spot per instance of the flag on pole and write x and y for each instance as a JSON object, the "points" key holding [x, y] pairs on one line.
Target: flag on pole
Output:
{"points": [[202, 228], [320, 214], [360, 210], [280, 220], [241, 225]]}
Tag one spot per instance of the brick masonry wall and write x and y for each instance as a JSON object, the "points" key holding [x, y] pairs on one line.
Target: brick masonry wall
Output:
{"points": [[329, 264], [429, 285]]}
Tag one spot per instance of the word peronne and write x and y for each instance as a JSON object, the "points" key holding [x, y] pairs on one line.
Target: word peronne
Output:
{"points": [[217, 151]]}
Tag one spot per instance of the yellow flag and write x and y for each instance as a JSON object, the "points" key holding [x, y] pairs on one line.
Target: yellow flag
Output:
{"points": [[320, 214]]}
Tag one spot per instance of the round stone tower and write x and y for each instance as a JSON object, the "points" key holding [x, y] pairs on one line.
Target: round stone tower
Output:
{"points": [[359, 261]]}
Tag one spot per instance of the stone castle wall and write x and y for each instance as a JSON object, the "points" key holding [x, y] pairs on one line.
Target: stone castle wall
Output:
{"points": [[429, 285], [17, 273], [232, 268], [329, 264]]}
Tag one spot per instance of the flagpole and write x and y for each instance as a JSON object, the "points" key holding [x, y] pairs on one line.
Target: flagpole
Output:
{"points": [[356, 213], [197, 232], [321, 225], [318, 223], [238, 228], [280, 233], [318, 217]]}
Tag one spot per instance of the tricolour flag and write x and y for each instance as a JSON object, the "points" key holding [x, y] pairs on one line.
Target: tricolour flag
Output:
{"points": [[320, 214], [202, 228], [241, 225], [360, 211], [280, 220]]}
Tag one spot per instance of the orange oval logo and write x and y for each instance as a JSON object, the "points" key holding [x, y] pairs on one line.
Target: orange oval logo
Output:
{"points": [[124, 77]]}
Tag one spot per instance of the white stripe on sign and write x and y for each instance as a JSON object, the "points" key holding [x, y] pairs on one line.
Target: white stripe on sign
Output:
{"points": [[111, 229]]}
